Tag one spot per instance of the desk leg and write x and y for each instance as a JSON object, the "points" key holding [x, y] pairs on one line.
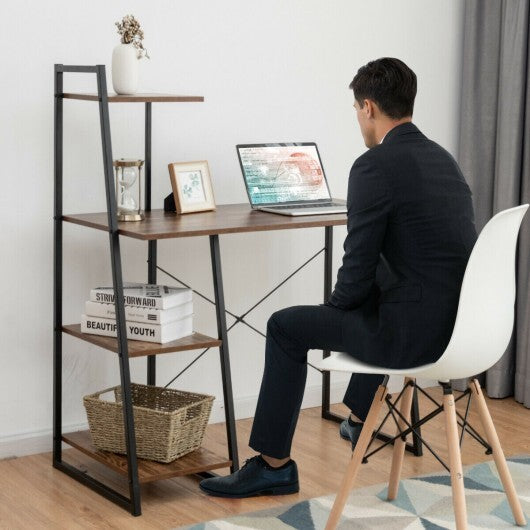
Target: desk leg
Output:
{"points": [[151, 278], [223, 351], [151, 245], [328, 262]]}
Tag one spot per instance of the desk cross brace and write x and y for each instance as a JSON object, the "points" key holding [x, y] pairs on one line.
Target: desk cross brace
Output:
{"points": [[238, 319]]}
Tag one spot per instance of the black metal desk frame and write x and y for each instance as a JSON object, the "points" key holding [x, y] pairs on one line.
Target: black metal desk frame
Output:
{"points": [[133, 503]]}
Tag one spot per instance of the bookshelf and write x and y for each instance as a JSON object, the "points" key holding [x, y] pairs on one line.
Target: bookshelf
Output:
{"points": [[158, 225], [137, 471], [138, 348]]}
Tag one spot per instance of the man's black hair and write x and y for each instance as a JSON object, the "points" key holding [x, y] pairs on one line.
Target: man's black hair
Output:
{"points": [[390, 83]]}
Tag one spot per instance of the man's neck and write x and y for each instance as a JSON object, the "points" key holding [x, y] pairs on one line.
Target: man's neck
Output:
{"points": [[386, 126]]}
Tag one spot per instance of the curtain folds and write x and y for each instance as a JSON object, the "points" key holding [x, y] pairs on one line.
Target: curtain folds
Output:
{"points": [[494, 153]]}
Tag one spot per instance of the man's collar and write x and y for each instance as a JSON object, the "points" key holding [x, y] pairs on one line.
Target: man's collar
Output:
{"points": [[403, 128]]}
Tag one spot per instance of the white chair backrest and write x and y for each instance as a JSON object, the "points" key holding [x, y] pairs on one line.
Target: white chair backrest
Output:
{"points": [[485, 317]]}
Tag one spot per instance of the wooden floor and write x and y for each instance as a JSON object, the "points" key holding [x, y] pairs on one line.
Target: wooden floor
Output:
{"points": [[34, 495]]}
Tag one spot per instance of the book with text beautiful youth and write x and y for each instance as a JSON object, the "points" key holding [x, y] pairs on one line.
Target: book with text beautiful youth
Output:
{"points": [[140, 314], [139, 331], [144, 295]]}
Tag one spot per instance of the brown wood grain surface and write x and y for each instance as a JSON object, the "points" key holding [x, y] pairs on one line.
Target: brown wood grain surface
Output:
{"points": [[136, 98], [148, 471], [138, 348], [226, 219]]}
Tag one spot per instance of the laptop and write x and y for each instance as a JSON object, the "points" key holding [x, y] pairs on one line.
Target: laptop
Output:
{"points": [[287, 179]]}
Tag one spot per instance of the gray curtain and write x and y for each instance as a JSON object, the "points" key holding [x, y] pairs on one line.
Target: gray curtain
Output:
{"points": [[494, 152]]}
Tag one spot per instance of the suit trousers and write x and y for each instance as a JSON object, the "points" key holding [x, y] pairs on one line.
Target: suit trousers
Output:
{"points": [[291, 332]]}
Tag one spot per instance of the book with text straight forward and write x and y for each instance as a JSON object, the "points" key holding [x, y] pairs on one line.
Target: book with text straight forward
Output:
{"points": [[140, 314], [144, 295], [139, 331]]}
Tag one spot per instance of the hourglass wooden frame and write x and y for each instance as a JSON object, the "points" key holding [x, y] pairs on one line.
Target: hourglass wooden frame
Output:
{"points": [[120, 165]]}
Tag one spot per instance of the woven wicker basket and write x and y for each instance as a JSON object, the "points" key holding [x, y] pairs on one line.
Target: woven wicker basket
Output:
{"points": [[168, 423]]}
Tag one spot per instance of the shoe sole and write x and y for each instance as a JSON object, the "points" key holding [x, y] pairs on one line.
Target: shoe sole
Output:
{"points": [[277, 490]]}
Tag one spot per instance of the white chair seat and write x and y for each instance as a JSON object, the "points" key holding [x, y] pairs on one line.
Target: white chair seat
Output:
{"points": [[344, 362]]}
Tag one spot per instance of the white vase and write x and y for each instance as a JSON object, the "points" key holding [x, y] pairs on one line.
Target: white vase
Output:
{"points": [[125, 69]]}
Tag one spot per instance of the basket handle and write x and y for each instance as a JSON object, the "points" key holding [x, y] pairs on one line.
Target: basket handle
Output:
{"points": [[96, 395]]}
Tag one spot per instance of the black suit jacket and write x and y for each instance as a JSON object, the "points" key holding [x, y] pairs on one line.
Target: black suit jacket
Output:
{"points": [[410, 233]]}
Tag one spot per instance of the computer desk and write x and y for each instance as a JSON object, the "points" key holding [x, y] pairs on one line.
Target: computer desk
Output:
{"points": [[226, 219]]}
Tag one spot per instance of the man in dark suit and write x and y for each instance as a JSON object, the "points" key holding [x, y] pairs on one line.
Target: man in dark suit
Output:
{"points": [[410, 234]]}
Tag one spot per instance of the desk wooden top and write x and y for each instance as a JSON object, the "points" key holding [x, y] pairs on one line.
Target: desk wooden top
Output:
{"points": [[226, 219]]}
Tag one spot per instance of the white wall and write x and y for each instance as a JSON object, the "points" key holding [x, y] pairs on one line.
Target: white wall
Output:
{"points": [[269, 71]]}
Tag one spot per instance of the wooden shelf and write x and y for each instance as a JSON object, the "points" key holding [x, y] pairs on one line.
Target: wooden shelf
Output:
{"points": [[138, 348], [137, 98], [226, 219], [148, 471]]}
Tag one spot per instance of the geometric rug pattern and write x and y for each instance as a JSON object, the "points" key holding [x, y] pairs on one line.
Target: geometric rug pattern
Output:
{"points": [[423, 502]]}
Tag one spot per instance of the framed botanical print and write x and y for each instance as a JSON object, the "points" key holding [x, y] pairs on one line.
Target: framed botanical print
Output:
{"points": [[192, 186]]}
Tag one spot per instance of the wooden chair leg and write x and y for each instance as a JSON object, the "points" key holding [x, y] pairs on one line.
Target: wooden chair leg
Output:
{"points": [[498, 454], [399, 444], [455, 459], [357, 458]]}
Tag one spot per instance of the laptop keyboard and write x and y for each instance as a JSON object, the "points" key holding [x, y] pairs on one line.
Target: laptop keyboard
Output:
{"points": [[296, 206]]}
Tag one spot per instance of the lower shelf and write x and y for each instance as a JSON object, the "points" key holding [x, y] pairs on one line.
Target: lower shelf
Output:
{"points": [[138, 348], [148, 471]]}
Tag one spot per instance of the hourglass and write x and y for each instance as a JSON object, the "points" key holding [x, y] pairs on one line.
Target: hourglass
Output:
{"points": [[128, 196]]}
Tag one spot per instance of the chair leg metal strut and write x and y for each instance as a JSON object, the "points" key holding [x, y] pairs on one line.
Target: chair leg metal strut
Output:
{"points": [[402, 417]]}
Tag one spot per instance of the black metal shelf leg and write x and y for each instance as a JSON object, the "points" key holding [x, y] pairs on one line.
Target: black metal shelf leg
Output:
{"points": [[151, 278], [58, 267], [151, 245], [417, 447], [223, 352], [328, 263], [114, 240]]}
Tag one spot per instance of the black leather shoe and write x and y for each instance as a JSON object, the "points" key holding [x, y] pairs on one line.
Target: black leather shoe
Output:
{"points": [[256, 477], [351, 430]]}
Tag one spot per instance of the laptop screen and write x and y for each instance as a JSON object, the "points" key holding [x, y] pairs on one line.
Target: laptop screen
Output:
{"points": [[279, 173]]}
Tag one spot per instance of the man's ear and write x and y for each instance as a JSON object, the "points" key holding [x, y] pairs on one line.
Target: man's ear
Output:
{"points": [[369, 108]]}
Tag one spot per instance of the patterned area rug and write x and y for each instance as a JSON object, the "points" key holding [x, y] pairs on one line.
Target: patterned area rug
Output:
{"points": [[423, 503]]}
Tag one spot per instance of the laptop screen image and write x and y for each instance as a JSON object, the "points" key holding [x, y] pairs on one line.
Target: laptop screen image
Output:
{"points": [[283, 173]]}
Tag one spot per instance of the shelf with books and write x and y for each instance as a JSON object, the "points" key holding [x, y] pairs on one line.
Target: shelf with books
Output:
{"points": [[137, 471], [153, 313], [139, 348], [198, 461]]}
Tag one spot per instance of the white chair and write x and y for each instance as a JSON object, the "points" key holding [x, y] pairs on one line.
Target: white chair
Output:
{"points": [[482, 330]]}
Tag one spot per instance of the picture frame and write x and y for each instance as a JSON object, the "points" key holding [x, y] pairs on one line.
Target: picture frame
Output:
{"points": [[192, 186]]}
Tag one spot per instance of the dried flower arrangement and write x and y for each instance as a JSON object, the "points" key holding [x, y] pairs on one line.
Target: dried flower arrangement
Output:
{"points": [[131, 33]]}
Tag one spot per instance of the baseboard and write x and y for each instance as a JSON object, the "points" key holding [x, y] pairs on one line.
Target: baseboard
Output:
{"points": [[30, 443], [41, 441], [246, 407]]}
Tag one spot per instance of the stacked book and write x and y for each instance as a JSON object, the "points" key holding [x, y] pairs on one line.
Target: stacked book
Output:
{"points": [[153, 313]]}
